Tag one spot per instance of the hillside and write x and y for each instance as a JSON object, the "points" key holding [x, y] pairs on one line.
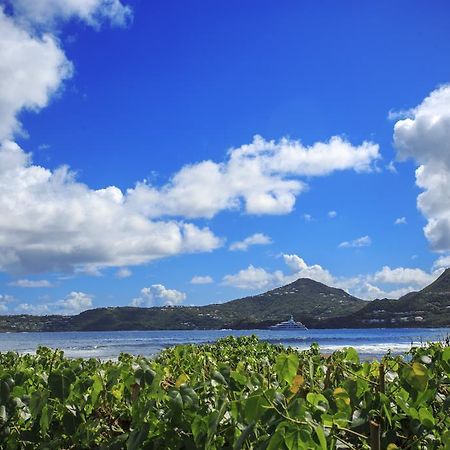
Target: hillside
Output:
{"points": [[308, 300], [313, 303], [429, 307]]}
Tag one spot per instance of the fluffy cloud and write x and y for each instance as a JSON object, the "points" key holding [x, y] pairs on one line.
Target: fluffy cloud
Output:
{"points": [[387, 282], [400, 221], [254, 239], [442, 262], [302, 270], [92, 12], [199, 279], [72, 304], [24, 283], [159, 295], [32, 68], [363, 241], [425, 137], [401, 275], [262, 177], [64, 225], [254, 278]]}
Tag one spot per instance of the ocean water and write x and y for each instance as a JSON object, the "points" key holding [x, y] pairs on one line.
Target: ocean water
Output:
{"points": [[370, 343]]}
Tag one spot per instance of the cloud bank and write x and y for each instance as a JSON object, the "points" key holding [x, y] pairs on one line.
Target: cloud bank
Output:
{"points": [[425, 137]]}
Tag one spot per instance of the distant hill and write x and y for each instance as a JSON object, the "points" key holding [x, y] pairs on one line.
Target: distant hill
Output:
{"points": [[313, 303], [429, 307]]}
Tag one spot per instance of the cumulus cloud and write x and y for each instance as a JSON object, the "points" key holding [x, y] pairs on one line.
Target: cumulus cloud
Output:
{"points": [[254, 239], [92, 12], [363, 241], [200, 279], [442, 262], [261, 177], [50, 221], [253, 278], [401, 275], [302, 270], [159, 295], [425, 137], [400, 221], [32, 68], [123, 272], [25, 283], [387, 282], [72, 304]]}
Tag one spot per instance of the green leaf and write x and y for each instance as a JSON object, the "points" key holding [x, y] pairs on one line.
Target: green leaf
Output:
{"points": [[321, 436], [286, 366], [426, 418], [417, 376], [137, 437], [351, 355], [276, 441], [59, 385], [4, 392], [217, 376], [255, 407]]}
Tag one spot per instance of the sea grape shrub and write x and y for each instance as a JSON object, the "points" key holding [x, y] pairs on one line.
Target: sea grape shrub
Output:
{"points": [[238, 393]]}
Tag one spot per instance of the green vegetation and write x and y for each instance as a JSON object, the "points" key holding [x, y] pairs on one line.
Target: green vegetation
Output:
{"points": [[236, 393], [313, 303]]}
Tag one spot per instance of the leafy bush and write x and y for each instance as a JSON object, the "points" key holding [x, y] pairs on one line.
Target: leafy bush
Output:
{"points": [[235, 393]]}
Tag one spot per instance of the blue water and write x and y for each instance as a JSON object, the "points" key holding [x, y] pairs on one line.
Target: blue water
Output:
{"points": [[370, 343]]}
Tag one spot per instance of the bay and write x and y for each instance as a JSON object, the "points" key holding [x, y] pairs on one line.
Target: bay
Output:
{"points": [[370, 343]]}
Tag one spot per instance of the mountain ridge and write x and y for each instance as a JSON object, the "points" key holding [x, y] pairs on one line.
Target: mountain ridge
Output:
{"points": [[315, 304]]}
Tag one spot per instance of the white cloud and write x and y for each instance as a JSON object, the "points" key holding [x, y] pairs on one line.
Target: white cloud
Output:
{"points": [[123, 272], [199, 279], [72, 304], [254, 278], [65, 225], [442, 262], [402, 275], [32, 68], [387, 282], [302, 270], [363, 241], [254, 239], [425, 137], [307, 217], [400, 221], [159, 295], [25, 283], [332, 214], [92, 12], [261, 177], [391, 167]]}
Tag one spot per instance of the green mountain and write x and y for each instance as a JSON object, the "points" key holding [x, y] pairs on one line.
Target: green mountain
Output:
{"points": [[313, 303], [429, 307]]}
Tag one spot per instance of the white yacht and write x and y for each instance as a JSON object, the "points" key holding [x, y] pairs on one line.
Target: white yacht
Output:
{"points": [[290, 324]]}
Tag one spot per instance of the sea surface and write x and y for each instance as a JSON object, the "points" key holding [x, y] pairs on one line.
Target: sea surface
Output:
{"points": [[370, 343]]}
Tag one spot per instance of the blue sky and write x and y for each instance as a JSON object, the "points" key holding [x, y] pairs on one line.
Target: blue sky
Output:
{"points": [[138, 96]]}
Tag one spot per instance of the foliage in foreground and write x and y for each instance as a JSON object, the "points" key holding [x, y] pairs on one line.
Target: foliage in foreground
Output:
{"points": [[236, 393]]}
